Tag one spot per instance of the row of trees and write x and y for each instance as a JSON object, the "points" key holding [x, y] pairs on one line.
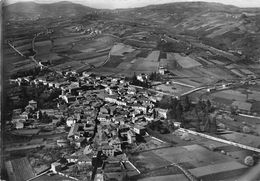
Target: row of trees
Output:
{"points": [[32, 72], [154, 76]]}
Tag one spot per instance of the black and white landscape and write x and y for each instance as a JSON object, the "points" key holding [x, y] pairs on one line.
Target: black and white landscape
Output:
{"points": [[158, 92]]}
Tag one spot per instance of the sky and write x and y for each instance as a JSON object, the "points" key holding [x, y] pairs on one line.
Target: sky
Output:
{"points": [[113, 4]]}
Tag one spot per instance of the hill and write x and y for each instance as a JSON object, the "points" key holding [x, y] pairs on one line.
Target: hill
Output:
{"points": [[223, 26], [32, 10]]}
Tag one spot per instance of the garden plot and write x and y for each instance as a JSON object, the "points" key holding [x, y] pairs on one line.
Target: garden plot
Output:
{"points": [[186, 61]]}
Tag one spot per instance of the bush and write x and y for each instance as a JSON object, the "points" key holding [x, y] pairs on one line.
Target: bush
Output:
{"points": [[212, 147], [249, 161], [246, 129], [221, 125], [186, 137]]}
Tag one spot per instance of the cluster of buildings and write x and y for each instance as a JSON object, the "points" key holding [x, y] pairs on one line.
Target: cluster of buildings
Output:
{"points": [[102, 117]]}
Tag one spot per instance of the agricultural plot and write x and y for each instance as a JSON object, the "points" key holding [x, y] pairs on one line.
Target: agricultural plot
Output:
{"points": [[249, 140], [65, 40], [26, 67], [67, 66], [124, 65], [22, 63], [224, 29], [204, 62], [22, 42], [153, 56], [237, 73], [84, 56], [172, 89], [97, 44], [231, 95], [195, 155], [217, 62], [113, 62], [44, 52], [213, 73], [256, 108], [186, 61], [131, 171], [141, 44], [121, 49], [214, 172], [146, 161], [24, 48], [246, 71], [144, 65], [180, 177], [98, 61]]}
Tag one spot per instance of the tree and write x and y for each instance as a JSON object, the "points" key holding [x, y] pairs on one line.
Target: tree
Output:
{"points": [[187, 103], [40, 115], [208, 105], [179, 112]]}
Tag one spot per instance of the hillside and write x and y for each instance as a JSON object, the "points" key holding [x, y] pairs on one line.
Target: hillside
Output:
{"points": [[32, 10], [222, 26]]}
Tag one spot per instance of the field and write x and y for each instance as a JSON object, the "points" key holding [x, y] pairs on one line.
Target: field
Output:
{"points": [[148, 161], [121, 49], [144, 65], [153, 56], [114, 61], [245, 139], [96, 61], [72, 65], [20, 168], [227, 97], [195, 155], [174, 89], [180, 177], [186, 61]]}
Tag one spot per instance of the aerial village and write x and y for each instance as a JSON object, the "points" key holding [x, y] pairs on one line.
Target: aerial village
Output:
{"points": [[90, 127], [126, 100]]}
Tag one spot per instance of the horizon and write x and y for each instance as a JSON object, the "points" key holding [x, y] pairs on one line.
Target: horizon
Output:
{"points": [[124, 4]]}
